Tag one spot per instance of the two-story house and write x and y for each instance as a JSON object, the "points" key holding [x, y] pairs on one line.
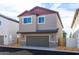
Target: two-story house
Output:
{"points": [[8, 29], [40, 27], [75, 28]]}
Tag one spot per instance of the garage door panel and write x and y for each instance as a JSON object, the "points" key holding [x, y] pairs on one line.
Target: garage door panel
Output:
{"points": [[40, 41]]}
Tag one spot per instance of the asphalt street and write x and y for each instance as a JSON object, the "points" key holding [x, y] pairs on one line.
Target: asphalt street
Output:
{"points": [[18, 51]]}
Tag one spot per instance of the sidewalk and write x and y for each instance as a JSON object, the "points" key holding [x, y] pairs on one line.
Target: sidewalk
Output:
{"points": [[61, 49], [69, 49]]}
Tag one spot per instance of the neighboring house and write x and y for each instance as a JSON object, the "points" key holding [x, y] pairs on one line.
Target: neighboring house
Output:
{"points": [[40, 27], [8, 29], [75, 28]]}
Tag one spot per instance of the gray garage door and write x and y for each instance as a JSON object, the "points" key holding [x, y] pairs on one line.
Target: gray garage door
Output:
{"points": [[39, 41]]}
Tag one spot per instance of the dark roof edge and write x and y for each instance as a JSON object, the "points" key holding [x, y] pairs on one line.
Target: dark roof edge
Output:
{"points": [[36, 7], [60, 20], [22, 13], [74, 19], [44, 9], [54, 30], [9, 18], [42, 31]]}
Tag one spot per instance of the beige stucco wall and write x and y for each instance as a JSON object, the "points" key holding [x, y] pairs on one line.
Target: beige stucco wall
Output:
{"points": [[28, 27], [50, 22], [60, 29]]}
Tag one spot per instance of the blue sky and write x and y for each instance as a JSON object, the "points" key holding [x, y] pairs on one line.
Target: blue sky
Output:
{"points": [[12, 8]]}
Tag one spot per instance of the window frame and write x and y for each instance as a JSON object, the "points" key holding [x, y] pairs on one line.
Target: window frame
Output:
{"points": [[44, 19], [27, 17]]}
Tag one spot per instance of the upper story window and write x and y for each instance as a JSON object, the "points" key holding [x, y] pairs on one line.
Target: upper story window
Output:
{"points": [[27, 20], [41, 20]]}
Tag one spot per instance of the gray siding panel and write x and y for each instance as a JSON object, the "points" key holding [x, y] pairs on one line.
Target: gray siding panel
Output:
{"points": [[1, 40], [39, 41]]}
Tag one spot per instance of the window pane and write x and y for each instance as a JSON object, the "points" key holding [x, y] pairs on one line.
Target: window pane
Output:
{"points": [[41, 19], [27, 20]]}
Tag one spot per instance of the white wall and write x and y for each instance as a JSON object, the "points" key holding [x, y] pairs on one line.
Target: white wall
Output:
{"points": [[8, 28], [71, 43], [77, 39]]}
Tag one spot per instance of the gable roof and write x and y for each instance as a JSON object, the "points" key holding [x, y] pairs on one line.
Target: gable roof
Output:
{"points": [[26, 13], [9, 18], [42, 11], [39, 11], [74, 19]]}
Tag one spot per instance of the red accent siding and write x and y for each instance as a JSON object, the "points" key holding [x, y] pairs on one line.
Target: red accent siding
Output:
{"points": [[37, 11], [25, 13]]}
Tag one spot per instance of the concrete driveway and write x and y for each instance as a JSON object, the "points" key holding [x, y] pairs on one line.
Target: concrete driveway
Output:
{"points": [[19, 51]]}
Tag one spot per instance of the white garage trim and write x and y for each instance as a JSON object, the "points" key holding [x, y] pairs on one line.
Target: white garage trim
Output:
{"points": [[37, 34]]}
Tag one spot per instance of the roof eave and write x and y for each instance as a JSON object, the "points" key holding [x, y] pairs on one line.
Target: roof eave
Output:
{"points": [[74, 19], [60, 20], [35, 8], [9, 18]]}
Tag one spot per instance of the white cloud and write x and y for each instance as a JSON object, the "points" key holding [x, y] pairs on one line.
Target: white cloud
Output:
{"points": [[19, 5], [12, 8], [66, 15], [55, 6]]}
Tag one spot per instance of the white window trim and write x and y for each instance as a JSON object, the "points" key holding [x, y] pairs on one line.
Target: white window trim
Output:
{"points": [[27, 17], [44, 20]]}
